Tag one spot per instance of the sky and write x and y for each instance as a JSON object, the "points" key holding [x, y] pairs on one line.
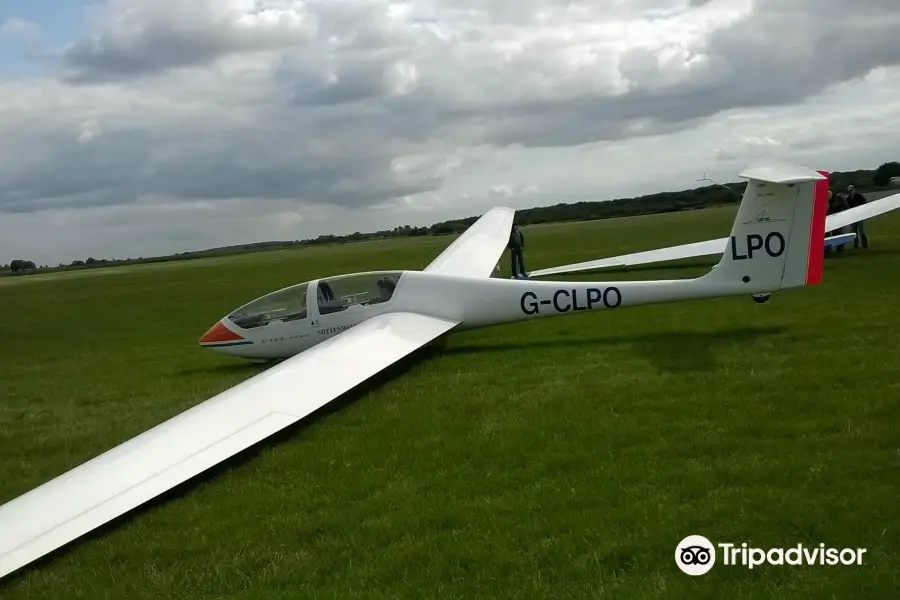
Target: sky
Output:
{"points": [[146, 127]]}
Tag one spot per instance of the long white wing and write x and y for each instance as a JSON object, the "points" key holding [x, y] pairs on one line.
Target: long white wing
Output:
{"points": [[860, 213], [476, 251], [640, 258], [140, 469], [714, 247]]}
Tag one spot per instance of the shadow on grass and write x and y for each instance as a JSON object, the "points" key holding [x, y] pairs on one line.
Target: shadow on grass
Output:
{"points": [[673, 351], [237, 366]]}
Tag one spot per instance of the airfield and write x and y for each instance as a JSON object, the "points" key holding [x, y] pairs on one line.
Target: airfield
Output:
{"points": [[559, 458]]}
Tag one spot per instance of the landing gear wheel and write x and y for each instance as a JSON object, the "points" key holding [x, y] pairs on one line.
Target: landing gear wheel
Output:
{"points": [[761, 298]]}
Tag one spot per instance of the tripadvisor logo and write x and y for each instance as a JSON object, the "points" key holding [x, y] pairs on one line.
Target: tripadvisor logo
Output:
{"points": [[696, 555]]}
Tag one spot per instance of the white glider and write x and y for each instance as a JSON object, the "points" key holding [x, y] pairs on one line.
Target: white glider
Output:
{"points": [[336, 332], [714, 247]]}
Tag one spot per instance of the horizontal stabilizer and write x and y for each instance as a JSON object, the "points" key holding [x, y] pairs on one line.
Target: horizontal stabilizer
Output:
{"points": [[776, 171]]}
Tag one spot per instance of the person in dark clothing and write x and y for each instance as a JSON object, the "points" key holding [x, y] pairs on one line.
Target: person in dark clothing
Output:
{"points": [[516, 245], [836, 203], [855, 199]]}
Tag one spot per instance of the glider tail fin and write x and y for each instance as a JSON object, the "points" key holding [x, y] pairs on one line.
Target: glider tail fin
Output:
{"points": [[778, 236]]}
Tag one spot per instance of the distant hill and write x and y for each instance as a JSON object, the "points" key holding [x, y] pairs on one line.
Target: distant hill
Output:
{"points": [[692, 199]]}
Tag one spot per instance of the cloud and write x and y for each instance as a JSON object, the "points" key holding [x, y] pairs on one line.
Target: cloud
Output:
{"points": [[749, 147], [19, 29], [379, 111], [138, 37]]}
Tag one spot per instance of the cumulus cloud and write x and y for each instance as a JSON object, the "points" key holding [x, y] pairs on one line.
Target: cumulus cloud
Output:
{"points": [[363, 107], [136, 37]]}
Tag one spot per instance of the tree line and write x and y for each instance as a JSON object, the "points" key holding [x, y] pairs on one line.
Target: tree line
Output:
{"points": [[662, 202]]}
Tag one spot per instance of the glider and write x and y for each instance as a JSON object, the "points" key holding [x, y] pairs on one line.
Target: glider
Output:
{"points": [[332, 334], [714, 247]]}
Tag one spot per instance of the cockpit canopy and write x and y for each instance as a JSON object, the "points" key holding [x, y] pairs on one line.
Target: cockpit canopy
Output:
{"points": [[333, 294], [288, 304]]}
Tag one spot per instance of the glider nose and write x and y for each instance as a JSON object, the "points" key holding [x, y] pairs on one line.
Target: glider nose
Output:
{"points": [[219, 335]]}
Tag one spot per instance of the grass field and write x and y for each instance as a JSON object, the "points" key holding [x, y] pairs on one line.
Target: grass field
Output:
{"points": [[561, 458]]}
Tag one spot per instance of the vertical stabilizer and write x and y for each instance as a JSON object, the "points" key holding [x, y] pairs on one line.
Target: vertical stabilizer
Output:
{"points": [[778, 236]]}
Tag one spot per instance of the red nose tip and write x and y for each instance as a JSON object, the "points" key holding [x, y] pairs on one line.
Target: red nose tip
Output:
{"points": [[219, 333]]}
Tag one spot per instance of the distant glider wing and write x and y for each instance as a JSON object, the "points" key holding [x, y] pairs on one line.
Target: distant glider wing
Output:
{"points": [[691, 250], [476, 251], [861, 213], [715, 247], [144, 467], [838, 240]]}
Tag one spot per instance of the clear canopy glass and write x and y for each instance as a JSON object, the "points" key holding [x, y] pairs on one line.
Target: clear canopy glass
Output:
{"points": [[287, 304], [333, 294]]}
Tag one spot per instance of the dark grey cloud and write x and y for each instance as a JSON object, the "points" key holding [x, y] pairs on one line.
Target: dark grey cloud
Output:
{"points": [[350, 81], [788, 51], [136, 38], [327, 123], [158, 49], [782, 54], [126, 46], [261, 163]]}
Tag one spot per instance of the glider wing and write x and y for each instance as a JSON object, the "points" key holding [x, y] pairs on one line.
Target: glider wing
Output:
{"points": [[144, 467], [715, 247], [476, 251], [861, 213], [706, 248]]}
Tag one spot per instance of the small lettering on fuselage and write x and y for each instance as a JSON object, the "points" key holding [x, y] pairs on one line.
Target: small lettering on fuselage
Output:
{"points": [[563, 301], [282, 338], [773, 245], [331, 330]]}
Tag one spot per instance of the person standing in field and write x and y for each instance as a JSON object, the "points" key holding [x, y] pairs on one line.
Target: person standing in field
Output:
{"points": [[516, 247], [855, 199], [836, 204]]}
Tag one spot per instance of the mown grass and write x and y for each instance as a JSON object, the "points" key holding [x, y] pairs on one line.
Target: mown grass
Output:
{"points": [[561, 458]]}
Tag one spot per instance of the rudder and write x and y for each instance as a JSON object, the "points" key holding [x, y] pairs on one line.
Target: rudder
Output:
{"points": [[815, 257]]}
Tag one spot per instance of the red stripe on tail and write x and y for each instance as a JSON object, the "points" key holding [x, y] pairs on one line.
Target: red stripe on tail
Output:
{"points": [[815, 257]]}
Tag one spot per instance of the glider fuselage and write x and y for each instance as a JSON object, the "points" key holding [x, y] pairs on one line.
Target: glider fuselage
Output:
{"points": [[294, 319]]}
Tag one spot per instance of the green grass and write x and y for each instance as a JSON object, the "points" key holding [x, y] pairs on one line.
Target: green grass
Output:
{"points": [[560, 458]]}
